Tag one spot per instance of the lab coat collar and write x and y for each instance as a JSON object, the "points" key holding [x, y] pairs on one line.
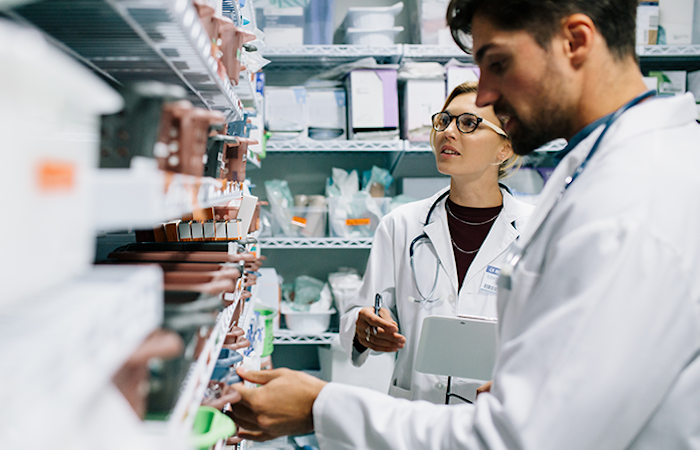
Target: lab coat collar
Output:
{"points": [[439, 233]]}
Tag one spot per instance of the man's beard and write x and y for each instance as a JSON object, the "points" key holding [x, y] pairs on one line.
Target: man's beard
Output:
{"points": [[526, 138]]}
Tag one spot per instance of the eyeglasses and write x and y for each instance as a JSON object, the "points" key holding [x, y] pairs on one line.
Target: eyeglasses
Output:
{"points": [[466, 122]]}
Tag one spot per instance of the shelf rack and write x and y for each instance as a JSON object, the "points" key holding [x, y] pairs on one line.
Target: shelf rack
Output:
{"points": [[326, 56], [135, 40], [315, 243], [130, 198], [372, 146], [286, 337], [434, 53]]}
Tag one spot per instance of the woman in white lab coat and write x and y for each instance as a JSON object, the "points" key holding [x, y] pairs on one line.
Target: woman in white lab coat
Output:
{"points": [[458, 239]]}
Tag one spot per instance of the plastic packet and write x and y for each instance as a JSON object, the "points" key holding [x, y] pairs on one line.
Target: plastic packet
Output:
{"points": [[376, 180], [307, 290], [281, 200]]}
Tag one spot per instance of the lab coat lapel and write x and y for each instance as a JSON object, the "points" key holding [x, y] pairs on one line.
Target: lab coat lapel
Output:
{"points": [[500, 237], [439, 234]]}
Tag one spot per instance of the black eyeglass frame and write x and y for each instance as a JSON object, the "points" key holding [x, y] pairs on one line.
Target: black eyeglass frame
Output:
{"points": [[479, 120]]}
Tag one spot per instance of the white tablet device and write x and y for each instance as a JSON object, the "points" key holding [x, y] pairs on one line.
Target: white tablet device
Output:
{"points": [[463, 346]]}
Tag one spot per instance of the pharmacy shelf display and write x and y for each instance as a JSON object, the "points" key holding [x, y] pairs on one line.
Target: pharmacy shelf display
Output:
{"points": [[136, 40]]}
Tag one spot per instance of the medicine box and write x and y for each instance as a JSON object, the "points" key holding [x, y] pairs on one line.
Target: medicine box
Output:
{"points": [[372, 100], [420, 100], [647, 23], [327, 115]]}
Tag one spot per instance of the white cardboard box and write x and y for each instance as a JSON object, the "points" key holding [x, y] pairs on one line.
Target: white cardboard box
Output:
{"points": [[670, 81], [694, 84], [421, 99], [286, 110], [327, 111], [372, 100], [647, 24], [676, 19], [457, 75]]}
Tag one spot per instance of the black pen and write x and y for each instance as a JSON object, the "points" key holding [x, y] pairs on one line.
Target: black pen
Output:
{"points": [[377, 307]]}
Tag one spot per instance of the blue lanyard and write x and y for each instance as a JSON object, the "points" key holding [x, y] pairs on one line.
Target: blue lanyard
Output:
{"points": [[515, 255]]}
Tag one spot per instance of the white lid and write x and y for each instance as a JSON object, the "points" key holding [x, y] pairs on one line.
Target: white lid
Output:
{"points": [[393, 9], [394, 30]]}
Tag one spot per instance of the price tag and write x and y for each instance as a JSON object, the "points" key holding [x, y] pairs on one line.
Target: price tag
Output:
{"points": [[357, 222]]}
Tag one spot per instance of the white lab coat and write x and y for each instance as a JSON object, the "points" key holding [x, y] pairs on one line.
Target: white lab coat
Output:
{"points": [[389, 273], [600, 333]]}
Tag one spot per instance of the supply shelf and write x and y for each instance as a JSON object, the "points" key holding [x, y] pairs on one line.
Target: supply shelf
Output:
{"points": [[66, 344], [286, 337], [434, 53], [333, 146], [137, 40], [142, 197], [326, 56], [314, 243]]}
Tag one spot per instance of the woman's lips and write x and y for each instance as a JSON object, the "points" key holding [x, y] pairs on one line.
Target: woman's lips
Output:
{"points": [[447, 150]]}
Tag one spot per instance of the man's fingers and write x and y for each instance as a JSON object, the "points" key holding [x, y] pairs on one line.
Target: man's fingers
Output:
{"points": [[259, 376]]}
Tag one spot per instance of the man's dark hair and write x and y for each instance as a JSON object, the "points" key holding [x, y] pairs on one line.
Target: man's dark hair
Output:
{"points": [[615, 19]]}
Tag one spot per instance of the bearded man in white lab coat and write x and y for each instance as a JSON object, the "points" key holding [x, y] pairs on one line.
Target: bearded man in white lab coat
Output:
{"points": [[599, 314]]}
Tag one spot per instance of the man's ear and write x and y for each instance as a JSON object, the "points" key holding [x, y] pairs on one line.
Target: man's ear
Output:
{"points": [[578, 33]]}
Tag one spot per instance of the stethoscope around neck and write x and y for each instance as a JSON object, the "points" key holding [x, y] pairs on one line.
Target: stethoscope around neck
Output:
{"points": [[516, 253], [411, 250]]}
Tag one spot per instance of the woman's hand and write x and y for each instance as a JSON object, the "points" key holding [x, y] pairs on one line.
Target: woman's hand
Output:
{"points": [[378, 332], [484, 388]]}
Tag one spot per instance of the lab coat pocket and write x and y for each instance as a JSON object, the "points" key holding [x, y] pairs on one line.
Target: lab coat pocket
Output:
{"points": [[398, 392]]}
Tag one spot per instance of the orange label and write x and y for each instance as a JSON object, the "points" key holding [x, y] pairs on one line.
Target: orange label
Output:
{"points": [[357, 222], [56, 176], [299, 221]]}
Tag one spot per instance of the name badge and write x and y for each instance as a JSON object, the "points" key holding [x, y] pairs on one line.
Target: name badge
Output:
{"points": [[489, 283]]}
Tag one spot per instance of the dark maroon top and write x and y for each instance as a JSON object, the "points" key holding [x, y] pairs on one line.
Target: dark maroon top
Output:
{"points": [[468, 237]]}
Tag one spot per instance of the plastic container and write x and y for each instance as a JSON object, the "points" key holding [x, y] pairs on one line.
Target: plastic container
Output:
{"points": [[373, 17], [50, 108], [308, 322], [267, 315], [210, 426], [357, 216], [372, 37], [307, 221]]}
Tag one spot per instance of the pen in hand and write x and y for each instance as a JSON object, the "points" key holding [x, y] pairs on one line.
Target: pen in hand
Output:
{"points": [[377, 307]]}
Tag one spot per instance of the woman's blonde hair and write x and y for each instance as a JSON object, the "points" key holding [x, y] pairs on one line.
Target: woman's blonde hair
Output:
{"points": [[510, 165]]}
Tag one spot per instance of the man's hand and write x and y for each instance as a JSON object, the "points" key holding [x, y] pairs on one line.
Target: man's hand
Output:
{"points": [[281, 406], [378, 332]]}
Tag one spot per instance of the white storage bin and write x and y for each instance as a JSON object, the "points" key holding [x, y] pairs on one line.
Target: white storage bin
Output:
{"points": [[50, 124], [376, 37], [307, 322], [373, 17]]}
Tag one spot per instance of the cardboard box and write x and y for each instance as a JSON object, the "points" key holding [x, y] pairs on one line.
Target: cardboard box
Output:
{"points": [[286, 111], [372, 100], [327, 114], [457, 75], [420, 100], [647, 24], [676, 22]]}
